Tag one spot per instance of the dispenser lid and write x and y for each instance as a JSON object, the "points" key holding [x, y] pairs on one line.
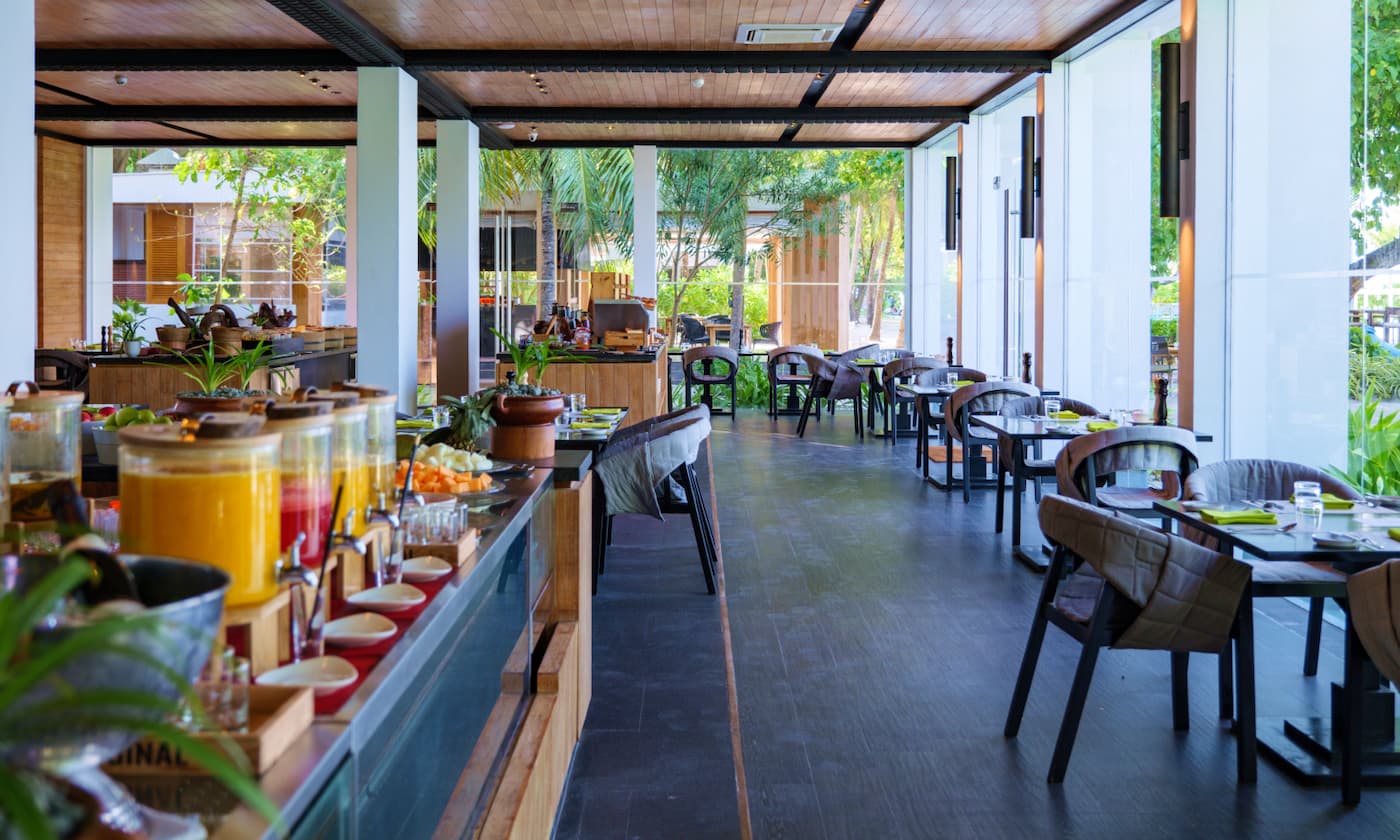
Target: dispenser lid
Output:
{"points": [[221, 430], [36, 400], [339, 399]]}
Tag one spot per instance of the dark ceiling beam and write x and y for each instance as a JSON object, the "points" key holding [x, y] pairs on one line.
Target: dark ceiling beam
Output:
{"points": [[724, 144], [342, 27], [728, 61], [195, 113], [535, 114], [139, 61], [856, 23]]}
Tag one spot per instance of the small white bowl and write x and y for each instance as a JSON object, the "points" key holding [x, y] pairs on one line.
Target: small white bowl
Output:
{"points": [[359, 630], [394, 597], [424, 569], [323, 674]]}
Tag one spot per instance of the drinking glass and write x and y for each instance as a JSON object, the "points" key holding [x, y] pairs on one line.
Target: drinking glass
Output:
{"points": [[233, 717], [441, 416], [213, 688], [1052, 407], [1307, 500], [393, 561], [950, 379]]}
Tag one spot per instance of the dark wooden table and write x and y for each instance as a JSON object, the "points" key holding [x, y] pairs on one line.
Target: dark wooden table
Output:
{"points": [[1318, 750]]}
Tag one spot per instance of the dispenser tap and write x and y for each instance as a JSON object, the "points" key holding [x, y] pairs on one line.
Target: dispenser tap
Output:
{"points": [[383, 513], [292, 573]]}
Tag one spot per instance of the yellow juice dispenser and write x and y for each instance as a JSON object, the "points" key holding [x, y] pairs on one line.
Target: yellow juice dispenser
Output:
{"points": [[207, 490], [381, 436], [349, 454], [45, 447]]}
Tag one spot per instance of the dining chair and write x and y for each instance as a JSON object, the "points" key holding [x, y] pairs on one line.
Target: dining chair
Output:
{"points": [[1086, 469], [931, 422], [1114, 582], [1375, 615], [698, 364], [977, 398], [834, 381], [1263, 479], [787, 369], [1034, 467], [770, 332], [692, 331], [70, 370], [908, 370]]}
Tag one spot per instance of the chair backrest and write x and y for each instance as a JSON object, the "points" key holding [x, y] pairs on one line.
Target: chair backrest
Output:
{"points": [[790, 354], [769, 332], [641, 428], [692, 329], [1186, 595], [970, 374], [858, 353], [909, 369], [70, 368], [1257, 478], [717, 319], [1035, 406], [1375, 614], [981, 398], [697, 356], [1086, 460]]}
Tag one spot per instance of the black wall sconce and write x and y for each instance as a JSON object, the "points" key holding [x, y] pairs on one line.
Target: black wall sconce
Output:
{"points": [[952, 204], [1175, 125], [1030, 177]]}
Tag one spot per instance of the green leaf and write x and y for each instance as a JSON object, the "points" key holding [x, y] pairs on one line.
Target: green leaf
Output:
{"points": [[19, 808]]}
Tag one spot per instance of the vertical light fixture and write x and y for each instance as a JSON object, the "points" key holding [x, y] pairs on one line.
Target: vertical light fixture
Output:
{"points": [[1175, 128], [1030, 177], [952, 204]]}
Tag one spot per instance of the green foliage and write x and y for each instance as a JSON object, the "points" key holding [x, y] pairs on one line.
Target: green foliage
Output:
{"points": [[206, 288], [1165, 327], [532, 359], [209, 372], [27, 660], [1373, 460], [1375, 111], [752, 383], [709, 294], [1167, 292], [469, 419], [127, 319]]}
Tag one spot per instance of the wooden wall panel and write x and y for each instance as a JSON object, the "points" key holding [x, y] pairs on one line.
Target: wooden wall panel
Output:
{"points": [[169, 243], [62, 237], [815, 290]]}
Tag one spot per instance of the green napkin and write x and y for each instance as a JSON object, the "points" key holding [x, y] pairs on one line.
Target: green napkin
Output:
{"points": [[1394, 534], [1252, 516], [1331, 501], [1100, 425], [602, 411], [866, 361], [1063, 415], [961, 382], [416, 423], [590, 424]]}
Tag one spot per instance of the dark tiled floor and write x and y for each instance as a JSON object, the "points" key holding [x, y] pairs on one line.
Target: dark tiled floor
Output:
{"points": [[877, 626]]}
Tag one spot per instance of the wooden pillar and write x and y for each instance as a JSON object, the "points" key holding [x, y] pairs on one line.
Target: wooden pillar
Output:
{"points": [[308, 274], [61, 235]]}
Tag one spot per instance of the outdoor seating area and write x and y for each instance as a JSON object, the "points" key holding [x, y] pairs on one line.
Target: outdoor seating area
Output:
{"points": [[379, 372]]}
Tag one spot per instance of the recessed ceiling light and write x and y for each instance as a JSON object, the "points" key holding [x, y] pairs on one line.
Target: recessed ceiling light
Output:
{"points": [[697, 82], [506, 125]]}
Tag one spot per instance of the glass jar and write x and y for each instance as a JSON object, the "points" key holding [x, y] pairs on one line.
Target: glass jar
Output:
{"points": [[382, 438], [349, 460], [208, 491], [306, 430], [45, 447], [5, 402]]}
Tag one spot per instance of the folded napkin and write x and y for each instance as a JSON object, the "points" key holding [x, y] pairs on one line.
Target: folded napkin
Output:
{"points": [[415, 423], [867, 361], [1331, 501], [1393, 533], [961, 382], [602, 411], [1251, 516], [590, 424], [1063, 415], [1100, 425]]}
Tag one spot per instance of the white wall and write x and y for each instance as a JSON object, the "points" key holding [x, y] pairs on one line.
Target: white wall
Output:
{"points": [[19, 232], [644, 223], [97, 251], [932, 269]]}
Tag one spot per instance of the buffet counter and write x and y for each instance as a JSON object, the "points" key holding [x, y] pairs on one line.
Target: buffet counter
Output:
{"points": [[478, 705], [636, 379], [152, 380]]}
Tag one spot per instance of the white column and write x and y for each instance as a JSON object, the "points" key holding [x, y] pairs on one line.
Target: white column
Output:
{"points": [[974, 190], [920, 305], [352, 287], [458, 257], [1053, 165], [19, 233], [1289, 206], [1205, 59], [644, 222], [97, 251], [386, 231]]}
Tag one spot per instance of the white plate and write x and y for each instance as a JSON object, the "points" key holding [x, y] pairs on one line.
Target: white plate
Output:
{"points": [[395, 597], [1334, 539], [423, 569], [359, 630], [324, 674]]}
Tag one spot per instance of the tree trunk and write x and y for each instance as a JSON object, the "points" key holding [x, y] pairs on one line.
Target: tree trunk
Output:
{"points": [[877, 301], [232, 230], [736, 297], [1384, 256], [858, 288], [547, 274]]}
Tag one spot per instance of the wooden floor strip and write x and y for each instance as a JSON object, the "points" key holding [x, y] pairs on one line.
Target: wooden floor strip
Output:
{"points": [[735, 738]]}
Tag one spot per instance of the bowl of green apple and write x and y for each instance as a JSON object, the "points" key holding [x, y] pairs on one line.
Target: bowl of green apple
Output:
{"points": [[105, 435]]}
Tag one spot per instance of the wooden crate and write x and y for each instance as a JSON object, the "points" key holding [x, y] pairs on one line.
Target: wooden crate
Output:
{"points": [[609, 285], [277, 715], [351, 574], [625, 339], [258, 626], [454, 553]]}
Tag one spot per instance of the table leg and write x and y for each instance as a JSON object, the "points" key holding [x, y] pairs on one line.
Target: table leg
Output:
{"points": [[1351, 736], [1018, 488]]}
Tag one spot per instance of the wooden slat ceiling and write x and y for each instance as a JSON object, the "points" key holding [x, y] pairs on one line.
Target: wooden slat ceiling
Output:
{"points": [[205, 41], [588, 24], [170, 24]]}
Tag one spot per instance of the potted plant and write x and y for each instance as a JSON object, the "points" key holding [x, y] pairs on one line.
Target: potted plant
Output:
{"points": [[223, 382], [127, 320], [36, 656], [522, 410]]}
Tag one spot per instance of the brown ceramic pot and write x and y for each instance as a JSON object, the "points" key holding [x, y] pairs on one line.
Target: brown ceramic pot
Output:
{"points": [[173, 338], [191, 405], [524, 427]]}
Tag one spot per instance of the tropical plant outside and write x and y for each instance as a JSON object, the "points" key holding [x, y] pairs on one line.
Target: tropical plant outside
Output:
{"points": [[1373, 460]]}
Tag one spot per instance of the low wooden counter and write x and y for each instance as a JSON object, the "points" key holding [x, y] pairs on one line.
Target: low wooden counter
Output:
{"points": [[635, 379], [155, 380]]}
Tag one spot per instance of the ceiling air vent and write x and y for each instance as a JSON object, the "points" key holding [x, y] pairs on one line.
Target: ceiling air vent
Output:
{"points": [[788, 33]]}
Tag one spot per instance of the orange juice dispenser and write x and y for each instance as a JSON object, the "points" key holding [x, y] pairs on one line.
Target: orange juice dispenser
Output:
{"points": [[306, 429], [45, 447], [207, 490], [381, 434], [349, 458]]}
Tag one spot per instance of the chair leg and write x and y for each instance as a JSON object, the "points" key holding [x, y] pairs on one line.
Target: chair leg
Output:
{"points": [[1079, 691], [701, 542], [967, 478], [1247, 757], [1033, 642], [806, 412], [687, 392], [1227, 683], [1001, 495], [860, 421], [1181, 701], [1313, 642]]}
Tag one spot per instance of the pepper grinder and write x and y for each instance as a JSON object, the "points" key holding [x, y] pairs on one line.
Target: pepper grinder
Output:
{"points": [[1159, 408]]}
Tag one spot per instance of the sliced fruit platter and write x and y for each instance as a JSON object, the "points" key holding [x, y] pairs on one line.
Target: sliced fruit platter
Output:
{"points": [[441, 469]]}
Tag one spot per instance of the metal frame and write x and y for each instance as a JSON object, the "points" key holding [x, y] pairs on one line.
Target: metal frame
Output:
{"points": [[536, 114]]}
